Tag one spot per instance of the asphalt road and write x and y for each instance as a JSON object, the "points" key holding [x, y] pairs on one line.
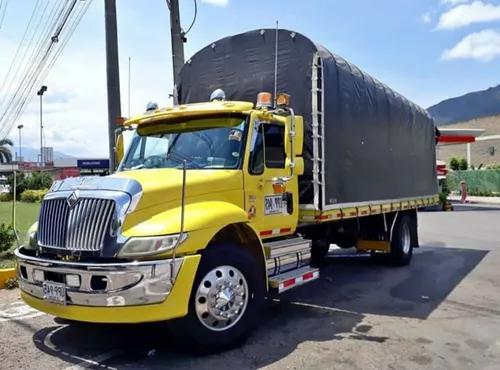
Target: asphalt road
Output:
{"points": [[441, 312]]}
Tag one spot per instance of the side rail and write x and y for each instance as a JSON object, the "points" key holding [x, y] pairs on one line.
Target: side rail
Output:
{"points": [[352, 211]]}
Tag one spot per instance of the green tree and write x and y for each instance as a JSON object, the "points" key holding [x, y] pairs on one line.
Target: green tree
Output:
{"points": [[7, 237], [5, 151], [463, 165], [454, 164], [20, 184], [38, 181]]}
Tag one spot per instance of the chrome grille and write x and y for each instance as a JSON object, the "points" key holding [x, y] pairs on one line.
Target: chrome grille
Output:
{"points": [[80, 228]]}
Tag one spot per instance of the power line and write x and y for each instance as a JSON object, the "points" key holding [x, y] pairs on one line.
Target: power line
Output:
{"points": [[194, 17], [53, 36], [3, 9]]}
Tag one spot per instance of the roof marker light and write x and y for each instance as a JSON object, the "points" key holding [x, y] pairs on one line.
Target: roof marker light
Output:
{"points": [[217, 95], [264, 100]]}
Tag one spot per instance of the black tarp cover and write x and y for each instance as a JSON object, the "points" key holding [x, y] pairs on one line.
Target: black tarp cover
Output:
{"points": [[377, 144]]}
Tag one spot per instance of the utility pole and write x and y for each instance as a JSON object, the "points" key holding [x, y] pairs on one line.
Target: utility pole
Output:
{"points": [[113, 76], [178, 39]]}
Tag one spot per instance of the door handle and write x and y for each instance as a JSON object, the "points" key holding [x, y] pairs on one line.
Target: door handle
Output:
{"points": [[260, 183]]}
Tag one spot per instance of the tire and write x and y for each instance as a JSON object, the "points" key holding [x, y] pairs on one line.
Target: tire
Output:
{"points": [[319, 250], [401, 243], [236, 277]]}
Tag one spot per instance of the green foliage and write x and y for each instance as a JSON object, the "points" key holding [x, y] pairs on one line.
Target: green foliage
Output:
{"points": [[7, 237], [495, 166], [5, 197], [5, 151], [26, 215], [11, 283], [20, 184], [443, 197], [463, 165], [37, 181], [454, 164], [483, 193], [32, 196]]}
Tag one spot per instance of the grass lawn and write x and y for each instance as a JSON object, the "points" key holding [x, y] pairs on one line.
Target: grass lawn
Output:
{"points": [[26, 215]]}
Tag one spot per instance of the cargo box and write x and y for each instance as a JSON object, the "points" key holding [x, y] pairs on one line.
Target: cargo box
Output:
{"points": [[364, 143]]}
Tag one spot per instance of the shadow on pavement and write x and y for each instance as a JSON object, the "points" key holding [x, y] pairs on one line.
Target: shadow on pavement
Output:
{"points": [[331, 309]]}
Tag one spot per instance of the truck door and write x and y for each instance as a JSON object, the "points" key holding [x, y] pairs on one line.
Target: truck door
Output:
{"points": [[271, 203]]}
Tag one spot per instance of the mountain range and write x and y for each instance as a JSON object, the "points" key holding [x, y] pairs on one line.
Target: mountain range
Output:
{"points": [[32, 155], [466, 107]]}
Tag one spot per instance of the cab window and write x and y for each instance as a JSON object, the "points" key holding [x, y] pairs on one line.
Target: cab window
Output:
{"points": [[267, 147]]}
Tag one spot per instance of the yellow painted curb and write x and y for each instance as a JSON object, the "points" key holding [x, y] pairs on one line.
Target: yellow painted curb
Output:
{"points": [[6, 274]]}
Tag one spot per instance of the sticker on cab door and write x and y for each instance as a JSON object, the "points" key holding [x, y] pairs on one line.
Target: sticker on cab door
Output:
{"points": [[274, 204]]}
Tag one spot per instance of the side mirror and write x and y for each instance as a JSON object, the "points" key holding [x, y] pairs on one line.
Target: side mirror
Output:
{"points": [[119, 148], [298, 137]]}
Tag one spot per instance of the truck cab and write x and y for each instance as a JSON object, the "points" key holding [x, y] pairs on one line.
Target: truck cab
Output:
{"points": [[180, 230]]}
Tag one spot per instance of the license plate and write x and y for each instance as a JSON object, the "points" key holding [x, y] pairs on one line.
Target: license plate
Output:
{"points": [[274, 204], [54, 292]]}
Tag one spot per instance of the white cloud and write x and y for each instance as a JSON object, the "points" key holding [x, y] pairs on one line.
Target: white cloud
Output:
{"points": [[453, 2], [466, 14], [216, 2], [426, 18], [483, 46]]}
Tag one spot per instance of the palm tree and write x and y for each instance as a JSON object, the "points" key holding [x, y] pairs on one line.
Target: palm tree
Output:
{"points": [[5, 153]]}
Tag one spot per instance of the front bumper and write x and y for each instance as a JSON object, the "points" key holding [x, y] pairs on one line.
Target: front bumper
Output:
{"points": [[116, 292]]}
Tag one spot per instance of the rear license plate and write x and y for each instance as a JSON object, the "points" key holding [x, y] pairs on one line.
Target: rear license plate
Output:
{"points": [[54, 292]]}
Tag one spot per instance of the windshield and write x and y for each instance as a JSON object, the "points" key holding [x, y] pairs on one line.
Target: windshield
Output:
{"points": [[206, 143]]}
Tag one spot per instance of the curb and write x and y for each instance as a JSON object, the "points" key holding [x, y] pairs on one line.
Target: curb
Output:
{"points": [[6, 274]]}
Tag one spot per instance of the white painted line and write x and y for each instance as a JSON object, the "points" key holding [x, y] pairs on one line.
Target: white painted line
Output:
{"points": [[326, 308], [95, 361], [84, 362], [18, 311]]}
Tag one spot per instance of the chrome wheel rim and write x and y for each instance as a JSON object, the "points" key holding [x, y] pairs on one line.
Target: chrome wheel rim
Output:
{"points": [[221, 298], [405, 238]]}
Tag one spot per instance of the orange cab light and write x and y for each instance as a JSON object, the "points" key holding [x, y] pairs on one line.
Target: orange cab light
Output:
{"points": [[283, 100], [264, 99], [279, 188]]}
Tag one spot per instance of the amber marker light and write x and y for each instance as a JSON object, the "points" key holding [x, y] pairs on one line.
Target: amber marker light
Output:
{"points": [[264, 100], [283, 100]]}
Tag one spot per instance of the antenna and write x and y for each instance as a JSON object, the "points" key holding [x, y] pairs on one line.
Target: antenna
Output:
{"points": [[276, 65]]}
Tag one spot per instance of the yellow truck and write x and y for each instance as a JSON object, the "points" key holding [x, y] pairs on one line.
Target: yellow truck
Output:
{"points": [[221, 203]]}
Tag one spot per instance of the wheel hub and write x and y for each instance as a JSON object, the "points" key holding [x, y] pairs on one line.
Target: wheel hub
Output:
{"points": [[221, 298]]}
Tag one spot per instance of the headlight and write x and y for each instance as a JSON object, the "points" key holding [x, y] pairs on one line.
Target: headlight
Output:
{"points": [[30, 241], [144, 246]]}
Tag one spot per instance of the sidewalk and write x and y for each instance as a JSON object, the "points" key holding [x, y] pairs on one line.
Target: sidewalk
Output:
{"points": [[476, 200]]}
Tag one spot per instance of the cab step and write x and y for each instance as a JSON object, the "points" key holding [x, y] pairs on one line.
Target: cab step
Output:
{"points": [[292, 279], [286, 246]]}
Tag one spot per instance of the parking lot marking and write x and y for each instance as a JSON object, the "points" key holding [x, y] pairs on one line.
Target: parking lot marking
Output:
{"points": [[17, 311], [83, 362], [311, 305]]}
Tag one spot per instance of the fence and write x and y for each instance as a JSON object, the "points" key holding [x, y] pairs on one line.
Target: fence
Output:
{"points": [[480, 181]]}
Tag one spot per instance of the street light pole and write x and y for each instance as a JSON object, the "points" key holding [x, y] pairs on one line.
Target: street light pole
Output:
{"points": [[40, 94], [20, 127]]}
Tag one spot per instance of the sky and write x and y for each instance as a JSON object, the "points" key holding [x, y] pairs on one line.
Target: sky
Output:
{"points": [[428, 50]]}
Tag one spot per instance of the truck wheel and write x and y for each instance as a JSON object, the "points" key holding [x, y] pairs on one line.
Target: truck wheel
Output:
{"points": [[401, 245], [227, 295]]}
